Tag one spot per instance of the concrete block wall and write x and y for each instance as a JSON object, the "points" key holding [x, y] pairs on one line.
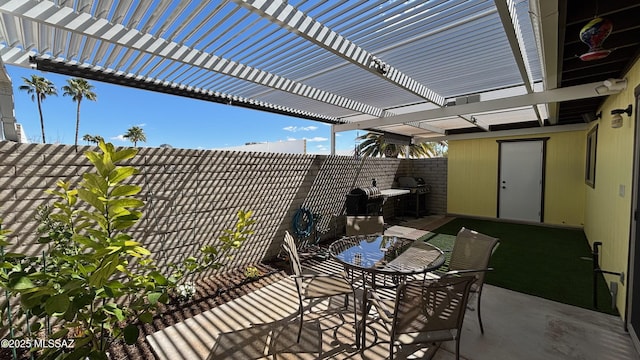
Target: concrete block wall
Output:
{"points": [[434, 173], [192, 195]]}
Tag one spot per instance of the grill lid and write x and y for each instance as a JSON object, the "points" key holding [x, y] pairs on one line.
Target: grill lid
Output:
{"points": [[369, 191], [410, 182]]}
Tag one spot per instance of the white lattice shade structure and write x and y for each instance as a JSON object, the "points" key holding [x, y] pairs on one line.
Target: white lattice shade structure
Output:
{"points": [[399, 66]]}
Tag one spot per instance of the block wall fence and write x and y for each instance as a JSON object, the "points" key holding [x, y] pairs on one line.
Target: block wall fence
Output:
{"points": [[192, 195]]}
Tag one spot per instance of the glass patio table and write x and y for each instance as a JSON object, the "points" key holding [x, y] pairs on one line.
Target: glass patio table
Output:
{"points": [[386, 257]]}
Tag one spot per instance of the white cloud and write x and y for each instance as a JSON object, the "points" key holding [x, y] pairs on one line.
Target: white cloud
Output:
{"points": [[320, 150], [317, 138], [300, 128], [119, 138]]}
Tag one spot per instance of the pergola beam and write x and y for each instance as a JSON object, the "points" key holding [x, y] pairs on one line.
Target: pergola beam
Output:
{"points": [[584, 91], [296, 21], [509, 19], [548, 30], [431, 128], [140, 82]]}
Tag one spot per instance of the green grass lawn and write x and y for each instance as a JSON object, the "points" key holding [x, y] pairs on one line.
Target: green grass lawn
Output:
{"points": [[552, 263]]}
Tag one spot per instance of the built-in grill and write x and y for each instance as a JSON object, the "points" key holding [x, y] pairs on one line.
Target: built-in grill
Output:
{"points": [[417, 199], [364, 201], [415, 184]]}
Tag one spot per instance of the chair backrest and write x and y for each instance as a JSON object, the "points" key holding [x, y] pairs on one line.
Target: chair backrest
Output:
{"points": [[364, 225], [289, 246], [432, 305], [472, 250]]}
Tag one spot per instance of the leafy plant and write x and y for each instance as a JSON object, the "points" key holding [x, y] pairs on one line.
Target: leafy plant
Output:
{"points": [[251, 272], [4, 264], [213, 256], [89, 262], [95, 277]]}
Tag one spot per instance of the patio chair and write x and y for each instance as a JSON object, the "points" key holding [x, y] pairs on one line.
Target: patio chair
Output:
{"points": [[423, 312], [316, 286], [470, 256], [364, 225]]}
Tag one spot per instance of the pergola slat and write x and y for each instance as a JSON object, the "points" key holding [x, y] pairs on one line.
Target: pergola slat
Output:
{"points": [[321, 35], [170, 51], [347, 59]]}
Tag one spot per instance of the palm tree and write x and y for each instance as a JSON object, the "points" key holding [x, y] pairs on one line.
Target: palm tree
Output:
{"points": [[92, 138], [39, 88], [428, 149], [79, 89], [374, 144], [135, 134]]}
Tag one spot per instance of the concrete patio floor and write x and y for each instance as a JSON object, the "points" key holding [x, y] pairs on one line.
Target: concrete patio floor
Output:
{"points": [[263, 325]]}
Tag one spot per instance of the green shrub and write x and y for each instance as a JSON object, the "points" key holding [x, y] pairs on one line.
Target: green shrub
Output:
{"points": [[94, 276]]}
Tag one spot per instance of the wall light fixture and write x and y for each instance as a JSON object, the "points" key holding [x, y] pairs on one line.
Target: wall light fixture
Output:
{"points": [[616, 116]]}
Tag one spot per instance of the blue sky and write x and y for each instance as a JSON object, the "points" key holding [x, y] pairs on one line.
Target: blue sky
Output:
{"points": [[166, 119]]}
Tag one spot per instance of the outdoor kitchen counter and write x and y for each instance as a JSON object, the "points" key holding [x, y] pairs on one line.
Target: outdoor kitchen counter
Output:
{"points": [[394, 192]]}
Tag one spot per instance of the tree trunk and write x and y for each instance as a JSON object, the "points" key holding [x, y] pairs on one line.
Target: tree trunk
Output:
{"points": [[77, 122], [41, 119]]}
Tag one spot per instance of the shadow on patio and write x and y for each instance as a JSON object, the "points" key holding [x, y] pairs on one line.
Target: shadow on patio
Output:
{"points": [[263, 324]]}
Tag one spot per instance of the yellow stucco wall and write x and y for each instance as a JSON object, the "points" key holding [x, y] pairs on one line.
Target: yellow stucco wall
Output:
{"points": [[473, 176], [564, 180], [603, 211], [608, 211]]}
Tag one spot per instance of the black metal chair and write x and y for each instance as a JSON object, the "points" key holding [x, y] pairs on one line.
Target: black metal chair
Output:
{"points": [[470, 256], [423, 311], [316, 286]]}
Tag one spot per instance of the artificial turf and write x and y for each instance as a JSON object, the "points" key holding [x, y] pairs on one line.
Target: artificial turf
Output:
{"points": [[553, 263]]}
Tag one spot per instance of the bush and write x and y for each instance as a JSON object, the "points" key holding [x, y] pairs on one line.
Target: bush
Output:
{"points": [[94, 276]]}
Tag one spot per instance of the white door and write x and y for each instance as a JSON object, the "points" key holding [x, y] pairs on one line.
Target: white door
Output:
{"points": [[521, 180]]}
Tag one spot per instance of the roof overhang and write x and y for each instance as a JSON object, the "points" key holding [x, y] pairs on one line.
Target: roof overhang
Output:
{"points": [[119, 78], [418, 69], [533, 99]]}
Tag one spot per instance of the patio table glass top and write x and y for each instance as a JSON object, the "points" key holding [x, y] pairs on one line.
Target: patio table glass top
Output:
{"points": [[391, 255]]}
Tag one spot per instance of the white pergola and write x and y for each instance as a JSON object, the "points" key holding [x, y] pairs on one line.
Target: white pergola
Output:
{"points": [[422, 69]]}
